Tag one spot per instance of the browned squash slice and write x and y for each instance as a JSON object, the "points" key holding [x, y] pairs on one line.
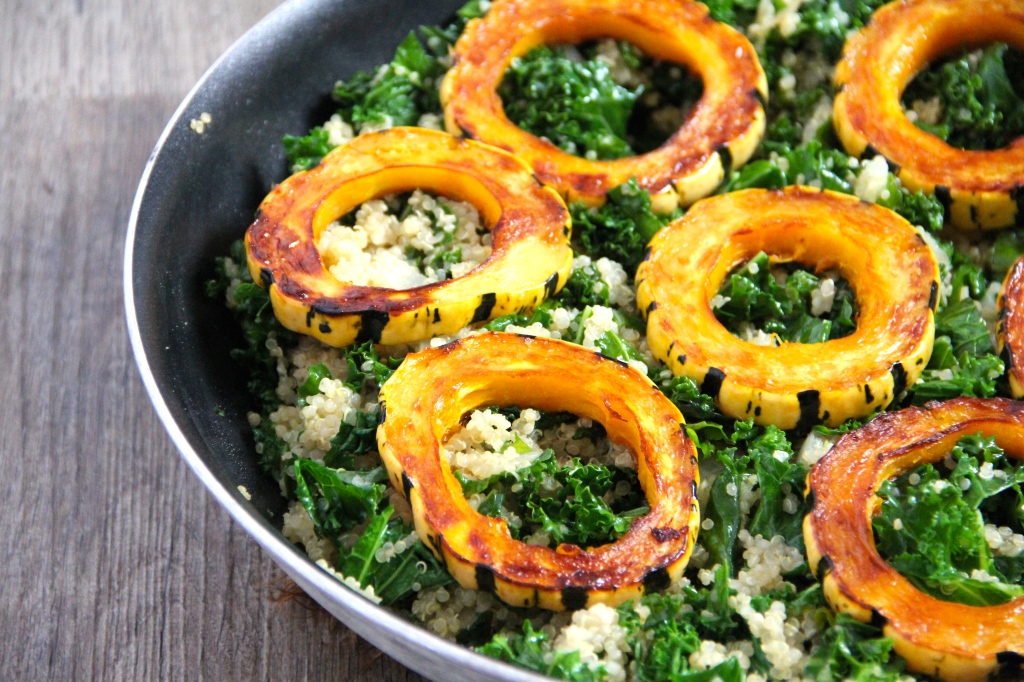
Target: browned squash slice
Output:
{"points": [[980, 189], [891, 271], [1011, 327], [721, 132], [421, 406], [940, 638], [531, 257]]}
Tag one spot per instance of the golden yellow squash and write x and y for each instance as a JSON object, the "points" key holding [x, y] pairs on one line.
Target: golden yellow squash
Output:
{"points": [[980, 189], [721, 132], [421, 405], [892, 273], [531, 258], [940, 638], [1011, 327]]}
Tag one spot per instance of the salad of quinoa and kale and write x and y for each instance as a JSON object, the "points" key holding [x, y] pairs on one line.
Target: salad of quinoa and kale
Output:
{"points": [[748, 607]]}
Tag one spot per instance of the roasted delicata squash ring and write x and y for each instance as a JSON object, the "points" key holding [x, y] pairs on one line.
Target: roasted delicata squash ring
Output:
{"points": [[945, 639], [1010, 331], [721, 132], [891, 271], [980, 189], [421, 405], [531, 258]]}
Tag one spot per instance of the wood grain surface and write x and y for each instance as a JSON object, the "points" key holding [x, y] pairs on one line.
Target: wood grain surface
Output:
{"points": [[114, 561]]}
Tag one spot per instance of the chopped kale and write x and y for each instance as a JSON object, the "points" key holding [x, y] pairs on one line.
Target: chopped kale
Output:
{"points": [[574, 104], [530, 649], [981, 98], [574, 504], [255, 315], [306, 151], [335, 499], [365, 356], [311, 386], [753, 295], [352, 439], [400, 575], [851, 650], [621, 228], [930, 527]]}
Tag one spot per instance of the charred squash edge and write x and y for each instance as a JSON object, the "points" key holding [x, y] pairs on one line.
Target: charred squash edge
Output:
{"points": [[891, 270], [531, 258], [945, 639], [1010, 328], [979, 189], [433, 389], [721, 133]]}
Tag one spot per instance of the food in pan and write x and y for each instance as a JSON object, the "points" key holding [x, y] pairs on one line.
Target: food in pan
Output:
{"points": [[565, 476]]}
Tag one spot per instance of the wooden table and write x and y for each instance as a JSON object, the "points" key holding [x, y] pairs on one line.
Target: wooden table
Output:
{"points": [[114, 561]]}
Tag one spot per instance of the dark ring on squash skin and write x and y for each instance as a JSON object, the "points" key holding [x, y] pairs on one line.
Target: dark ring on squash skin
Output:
{"points": [[530, 228], [942, 638], [976, 188], [432, 390]]}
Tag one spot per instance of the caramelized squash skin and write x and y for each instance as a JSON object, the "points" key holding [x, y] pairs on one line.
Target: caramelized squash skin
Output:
{"points": [[940, 638], [421, 406], [1010, 331], [981, 189], [531, 258], [721, 132], [892, 273]]}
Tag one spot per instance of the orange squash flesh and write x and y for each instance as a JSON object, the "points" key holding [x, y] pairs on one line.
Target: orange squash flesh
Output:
{"points": [[944, 639], [721, 132], [892, 273], [531, 258], [981, 189], [421, 405], [1011, 327]]}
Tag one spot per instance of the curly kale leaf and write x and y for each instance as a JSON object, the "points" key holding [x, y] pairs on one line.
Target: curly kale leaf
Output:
{"points": [[337, 500], [676, 625], [851, 650], [931, 528], [796, 163], [982, 101], [404, 573], [541, 314], [565, 502], [574, 104], [686, 395], [530, 649], [356, 438], [754, 295], [306, 151], [621, 228], [365, 356]]}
